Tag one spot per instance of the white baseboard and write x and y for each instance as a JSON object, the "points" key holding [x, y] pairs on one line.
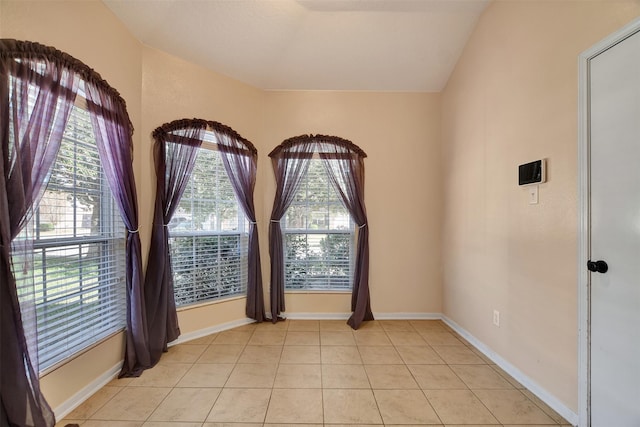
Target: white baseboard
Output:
{"points": [[86, 392], [377, 316], [407, 316], [211, 330], [523, 379], [316, 316]]}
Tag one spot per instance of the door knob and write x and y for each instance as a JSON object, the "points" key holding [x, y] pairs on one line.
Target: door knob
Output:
{"points": [[597, 266]]}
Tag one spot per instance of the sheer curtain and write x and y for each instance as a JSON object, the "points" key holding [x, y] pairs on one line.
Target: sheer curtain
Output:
{"points": [[175, 151], [113, 131], [344, 162], [38, 87], [291, 161], [240, 161]]}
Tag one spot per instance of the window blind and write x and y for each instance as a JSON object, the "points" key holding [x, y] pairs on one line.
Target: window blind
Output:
{"points": [[77, 265], [318, 236], [208, 235]]}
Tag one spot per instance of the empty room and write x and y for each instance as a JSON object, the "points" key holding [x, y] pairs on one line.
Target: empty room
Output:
{"points": [[268, 213]]}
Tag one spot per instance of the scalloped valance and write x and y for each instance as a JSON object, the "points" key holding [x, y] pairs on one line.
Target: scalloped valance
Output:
{"points": [[301, 139], [27, 50], [162, 132]]}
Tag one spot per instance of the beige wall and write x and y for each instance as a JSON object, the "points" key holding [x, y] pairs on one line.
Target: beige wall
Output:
{"points": [[400, 133], [89, 32], [513, 99]]}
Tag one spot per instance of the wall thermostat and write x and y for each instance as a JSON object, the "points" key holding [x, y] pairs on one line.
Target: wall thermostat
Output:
{"points": [[532, 173]]}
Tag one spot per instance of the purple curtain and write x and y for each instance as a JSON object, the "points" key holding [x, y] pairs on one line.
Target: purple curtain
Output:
{"points": [[175, 151], [113, 132], [240, 161], [36, 96], [291, 161], [344, 163]]}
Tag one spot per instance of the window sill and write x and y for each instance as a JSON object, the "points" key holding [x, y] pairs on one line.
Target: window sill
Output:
{"points": [[319, 291]]}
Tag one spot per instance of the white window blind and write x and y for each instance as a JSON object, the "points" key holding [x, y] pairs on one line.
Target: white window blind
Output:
{"points": [[208, 235], [318, 236], [77, 265]]}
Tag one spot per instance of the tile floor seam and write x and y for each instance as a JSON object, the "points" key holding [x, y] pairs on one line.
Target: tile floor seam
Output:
{"points": [[477, 398], [158, 406], [458, 376], [417, 383], [100, 407], [214, 404], [378, 406], [366, 373], [496, 417], [423, 390], [555, 414], [264, 418]]}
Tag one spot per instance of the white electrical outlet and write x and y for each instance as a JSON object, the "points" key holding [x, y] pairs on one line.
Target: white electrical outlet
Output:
{"points": [[496, 318]]}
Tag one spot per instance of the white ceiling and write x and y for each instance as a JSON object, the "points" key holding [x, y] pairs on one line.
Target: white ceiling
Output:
{"points": [[369, 45]]}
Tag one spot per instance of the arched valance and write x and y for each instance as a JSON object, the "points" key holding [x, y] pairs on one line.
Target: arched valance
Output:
{"points": [[167, 130], [32, 52], [319, 141]]}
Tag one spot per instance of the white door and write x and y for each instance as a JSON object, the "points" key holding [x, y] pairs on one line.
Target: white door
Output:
{"points": [[614, 89]]}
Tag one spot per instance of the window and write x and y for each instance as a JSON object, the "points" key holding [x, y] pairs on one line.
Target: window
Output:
{"points": [[77, 264], [318, 236], [208, 234]]}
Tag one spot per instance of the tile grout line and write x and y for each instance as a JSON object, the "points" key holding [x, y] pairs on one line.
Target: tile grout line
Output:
{"points": [[228, 376], [266, 412], [369, 381], [469, 388], [415, 379], [472, 392]]}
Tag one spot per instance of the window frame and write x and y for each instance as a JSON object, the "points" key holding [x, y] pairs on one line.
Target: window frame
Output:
{"points": [[351, 230], [112, 238], [242, 232]]}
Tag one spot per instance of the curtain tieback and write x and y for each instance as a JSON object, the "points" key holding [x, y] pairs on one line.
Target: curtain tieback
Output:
{"points": [[134, 231], [275, 220], [363, 225], [253, 222]]}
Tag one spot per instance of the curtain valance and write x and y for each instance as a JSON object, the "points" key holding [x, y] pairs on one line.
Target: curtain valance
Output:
{"points": [[319, 142]]}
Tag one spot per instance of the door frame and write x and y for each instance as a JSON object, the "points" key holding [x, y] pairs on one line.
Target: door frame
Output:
{"points": [[584, 220]]}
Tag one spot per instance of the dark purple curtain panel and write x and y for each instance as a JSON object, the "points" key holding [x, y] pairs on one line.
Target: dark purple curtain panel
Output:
{"points": [[38, 87], [344, 162], [291, 161], [175, 152], [113, 131], [240, 160]]}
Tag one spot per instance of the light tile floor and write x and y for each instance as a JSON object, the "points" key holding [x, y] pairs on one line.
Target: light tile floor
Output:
{"points": [[314, 373]]}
